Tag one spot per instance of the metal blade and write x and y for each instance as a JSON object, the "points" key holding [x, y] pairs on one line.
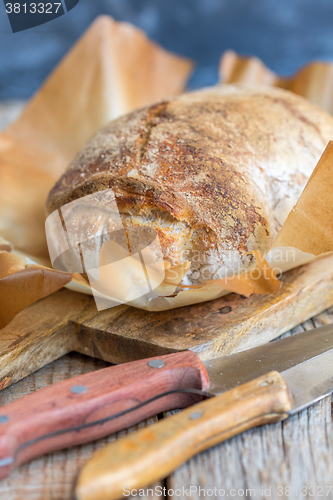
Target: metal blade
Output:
{"points": [[310, 381], [305, 360]]}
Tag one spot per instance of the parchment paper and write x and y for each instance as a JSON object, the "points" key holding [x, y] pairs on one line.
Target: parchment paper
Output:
{"points": [[313, 81]]}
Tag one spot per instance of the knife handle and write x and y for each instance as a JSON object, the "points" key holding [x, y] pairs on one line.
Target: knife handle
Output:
{"points": [[152, 453], [81, 409]]}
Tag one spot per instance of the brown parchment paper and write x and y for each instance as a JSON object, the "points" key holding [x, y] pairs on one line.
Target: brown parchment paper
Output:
{"points": [[93, 84], [312, 215], [113, 69], [313, 81]]}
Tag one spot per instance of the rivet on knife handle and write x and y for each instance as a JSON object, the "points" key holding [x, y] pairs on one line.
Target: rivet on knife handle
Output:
{"points": [[155, 451], [88, 407]]}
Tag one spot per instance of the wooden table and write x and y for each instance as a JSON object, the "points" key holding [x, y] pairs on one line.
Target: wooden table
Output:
{"points": [[266, 462], [296, 453]]}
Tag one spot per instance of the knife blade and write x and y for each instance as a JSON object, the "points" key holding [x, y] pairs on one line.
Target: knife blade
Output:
{"points": [[96, 404], [245, 396]]}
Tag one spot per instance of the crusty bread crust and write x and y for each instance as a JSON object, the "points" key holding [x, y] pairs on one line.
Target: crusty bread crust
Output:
{"points": [[215, 172]]}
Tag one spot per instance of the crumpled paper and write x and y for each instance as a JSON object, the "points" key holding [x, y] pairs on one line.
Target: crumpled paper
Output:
{"points": [[314, 205], [313, 81]]}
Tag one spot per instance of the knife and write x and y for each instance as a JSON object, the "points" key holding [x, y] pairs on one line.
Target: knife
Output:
{"points": [[245, 396], [96, 404]]}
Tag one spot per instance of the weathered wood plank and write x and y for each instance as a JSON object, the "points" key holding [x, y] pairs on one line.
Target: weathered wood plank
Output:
{"points": [[219, 327], [40, 334]]}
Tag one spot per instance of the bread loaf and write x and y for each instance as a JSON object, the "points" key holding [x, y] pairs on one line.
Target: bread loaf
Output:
{"points": [[215, 172]]}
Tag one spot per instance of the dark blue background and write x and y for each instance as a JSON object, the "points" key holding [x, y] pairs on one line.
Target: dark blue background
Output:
{"points": [[284, 33]]}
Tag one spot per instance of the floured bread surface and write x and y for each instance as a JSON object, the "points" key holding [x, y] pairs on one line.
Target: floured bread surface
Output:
{"points": [[215, 172]]}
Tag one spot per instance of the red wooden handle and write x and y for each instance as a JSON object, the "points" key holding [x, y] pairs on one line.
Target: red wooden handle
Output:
{"points": [[78, 410]]}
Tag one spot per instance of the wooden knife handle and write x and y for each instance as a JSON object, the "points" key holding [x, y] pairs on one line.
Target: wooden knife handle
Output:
{"points": [[155, 451], [80, 409]]}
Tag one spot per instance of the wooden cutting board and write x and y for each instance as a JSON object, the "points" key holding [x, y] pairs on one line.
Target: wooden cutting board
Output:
{"points": [[68, 321]]}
